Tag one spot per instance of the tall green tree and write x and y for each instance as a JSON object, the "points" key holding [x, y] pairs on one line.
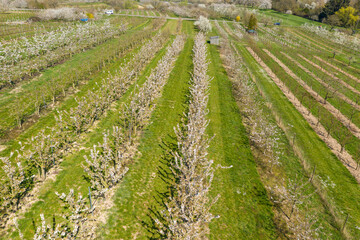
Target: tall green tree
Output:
{"points": [[332, 6], [252, 22]]}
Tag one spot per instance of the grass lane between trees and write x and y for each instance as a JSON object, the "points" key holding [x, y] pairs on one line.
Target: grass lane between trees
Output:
{"points": [[244, 208]]}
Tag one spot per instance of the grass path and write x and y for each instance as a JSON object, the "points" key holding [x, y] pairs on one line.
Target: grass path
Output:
{"points": [[244, 209]]}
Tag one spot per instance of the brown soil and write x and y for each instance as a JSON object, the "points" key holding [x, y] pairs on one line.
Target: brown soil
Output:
{"points": [[335, 147]]}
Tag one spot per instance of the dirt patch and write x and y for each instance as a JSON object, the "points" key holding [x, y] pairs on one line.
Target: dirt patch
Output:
{"points": [[334, 146], [16, 23], [17, 88], [2, 148], [16, 131]]}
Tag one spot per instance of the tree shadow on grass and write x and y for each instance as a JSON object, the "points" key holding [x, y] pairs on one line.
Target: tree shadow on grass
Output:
{"points": [[167, 176]]}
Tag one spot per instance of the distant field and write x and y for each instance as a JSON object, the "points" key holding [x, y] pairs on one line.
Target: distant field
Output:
{"points": [[85, 5], [14, 25], [288, 19]]}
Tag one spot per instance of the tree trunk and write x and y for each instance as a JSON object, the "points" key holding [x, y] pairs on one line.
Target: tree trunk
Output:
{"points": [[43, 173]]}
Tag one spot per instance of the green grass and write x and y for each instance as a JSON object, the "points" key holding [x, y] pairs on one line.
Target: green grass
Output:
{"points": [[328, 120], [72, 173], [48, 120], [75, 63], [338, 103], [72, 162], [340, 200], [290, 167], [342, 52], [288, 19], [244, 209], [15, 15], [137, 192], [135, 196]]}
